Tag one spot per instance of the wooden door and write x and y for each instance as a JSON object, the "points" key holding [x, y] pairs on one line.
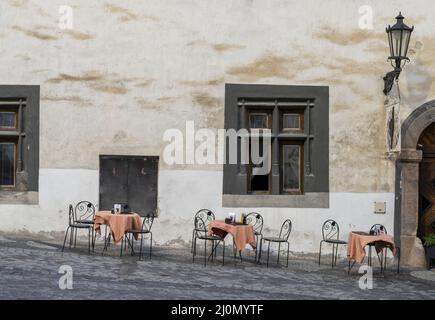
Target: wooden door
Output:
{"points": [[426, 223]]}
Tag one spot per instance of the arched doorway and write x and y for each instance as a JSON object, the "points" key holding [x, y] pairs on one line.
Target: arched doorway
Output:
{"points": [[408, 185], [426, 210]]}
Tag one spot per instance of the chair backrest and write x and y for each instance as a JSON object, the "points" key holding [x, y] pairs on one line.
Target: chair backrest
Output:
{"points": [[286, 229], [378, 229], [147, 223], [206, 216], [71, 216], [256, 220], [330, 230], [202, 220], [84, 210]]}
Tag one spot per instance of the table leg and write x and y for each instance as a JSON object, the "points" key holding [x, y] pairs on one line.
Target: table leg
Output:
{"points": [[106, 241], [351, 266]]}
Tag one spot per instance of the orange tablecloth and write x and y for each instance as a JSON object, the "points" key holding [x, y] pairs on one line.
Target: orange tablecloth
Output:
{"points": [[118, 223], [242, 234], [358, 240]]}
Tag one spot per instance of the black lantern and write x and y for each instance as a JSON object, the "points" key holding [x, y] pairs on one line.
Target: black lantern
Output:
{"points": [[398, 38]]}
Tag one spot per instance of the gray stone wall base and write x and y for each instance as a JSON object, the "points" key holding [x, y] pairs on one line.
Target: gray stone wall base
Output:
{"points": [[412, 252]]}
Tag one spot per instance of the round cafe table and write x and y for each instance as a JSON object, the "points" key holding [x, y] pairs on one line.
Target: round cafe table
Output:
{"points": [[242, 234], [118, 223], [358, 240]]}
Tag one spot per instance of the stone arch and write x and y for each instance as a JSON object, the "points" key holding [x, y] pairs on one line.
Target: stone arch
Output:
{"points": [[412, 252], [415, 124]]}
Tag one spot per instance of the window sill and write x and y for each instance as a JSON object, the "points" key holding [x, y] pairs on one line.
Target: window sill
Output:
{"points": [[18, 197], [307, 200]]}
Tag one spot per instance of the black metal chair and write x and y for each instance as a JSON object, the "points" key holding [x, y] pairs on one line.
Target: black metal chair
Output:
{"points": [[128, 238], [256, 220], [284, 234], [73, 226], [201, 232], [206, 215], [377, 229], [84, 212], [331, 235]]}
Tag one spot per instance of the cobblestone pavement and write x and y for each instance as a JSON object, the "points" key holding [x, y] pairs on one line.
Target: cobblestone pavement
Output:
{"points": [[29, 269]]}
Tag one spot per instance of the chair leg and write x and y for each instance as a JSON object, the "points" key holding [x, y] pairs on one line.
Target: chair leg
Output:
{"points": [[369, 260], [89, 240], [141, 244], [205, 253], [223, 252], [279, 250], [71, 237], [288, 251], [259, 250], [75, 238], [234, 252], [320, 250], [92, 239], [194, 250], [268, 250], [122, 245], [151, 243], [256, 248], [64, 240], [333, 250]]}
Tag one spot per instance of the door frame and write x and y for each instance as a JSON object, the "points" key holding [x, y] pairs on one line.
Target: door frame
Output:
{"points": [[407, 185]]}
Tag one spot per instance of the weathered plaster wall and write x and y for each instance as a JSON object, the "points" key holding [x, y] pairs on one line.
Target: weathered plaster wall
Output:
{"points": [[128, 71], [180, 195]]}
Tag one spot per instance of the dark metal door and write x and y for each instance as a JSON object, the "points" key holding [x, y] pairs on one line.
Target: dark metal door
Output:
{"points": [[113, 182], [131, 180], [142, 184]]}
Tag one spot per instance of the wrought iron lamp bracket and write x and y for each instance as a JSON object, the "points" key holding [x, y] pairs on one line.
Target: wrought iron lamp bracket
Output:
{"points": [[389, 79]]}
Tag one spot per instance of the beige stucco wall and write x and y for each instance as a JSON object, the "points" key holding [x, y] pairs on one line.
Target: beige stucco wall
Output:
{"points": [[129, 70], [126, 72]]}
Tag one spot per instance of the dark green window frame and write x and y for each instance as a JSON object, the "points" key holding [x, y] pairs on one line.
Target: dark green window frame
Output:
{"points": [[312, 104]]}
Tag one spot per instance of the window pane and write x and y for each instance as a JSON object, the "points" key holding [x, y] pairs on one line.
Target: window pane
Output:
{"points": [[7, 164], [7, 120], [259, 181], [258, 121], [291, 121], [291, 167]]}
